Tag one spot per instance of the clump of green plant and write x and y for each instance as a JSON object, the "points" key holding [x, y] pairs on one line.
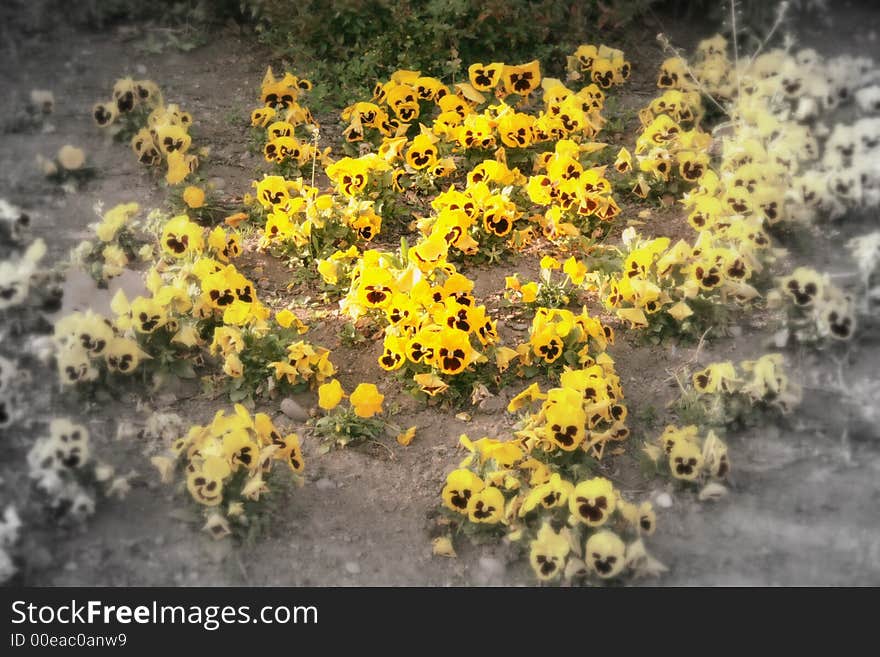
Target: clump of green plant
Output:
{"points": [[353, 42], [723, 395], [352, 423], [550, 291], [118, 241]]}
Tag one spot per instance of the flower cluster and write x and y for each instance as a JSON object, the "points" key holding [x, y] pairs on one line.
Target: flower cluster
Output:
{"points": [[539, 487], [603, 65], [782, 166], [160, 131], [167, 138], [409, 96], [467, 121], [433, 325], [217, 306], [583, 414], [779, 99], [376, 181], [17, 272], [684, 108], [198, 305], [481, 218], [723, 394], [302, 222], [816, 309], [559, 338], [356, 422], [547, 292], [572, 528], [116, 246], [303, 363], [68, 165], [565, 114], [689, 457], [289, 126], [88, 343], [228, 464], [658, 281], [664, 148], [128, 96], [64, 467], [473, 122], [576, 198]]}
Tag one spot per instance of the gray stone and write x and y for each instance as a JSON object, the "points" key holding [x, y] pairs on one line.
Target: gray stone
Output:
{"points": [[664, 500], [293, 410], [492, 566], [324, 484], [493, 404]]}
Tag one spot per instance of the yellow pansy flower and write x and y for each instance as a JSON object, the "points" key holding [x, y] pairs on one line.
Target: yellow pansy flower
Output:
{"points": [[193, 196], [605, 554], [366, 400], [460, 487], [548, 553], [593, 501], [330, 394]]}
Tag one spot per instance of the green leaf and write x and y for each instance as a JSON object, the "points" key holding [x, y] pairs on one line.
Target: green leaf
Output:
{"points": [[184, 369], [237, 395]]}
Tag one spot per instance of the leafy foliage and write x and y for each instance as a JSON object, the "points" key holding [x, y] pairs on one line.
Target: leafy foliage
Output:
{"points": [[355, 42]]}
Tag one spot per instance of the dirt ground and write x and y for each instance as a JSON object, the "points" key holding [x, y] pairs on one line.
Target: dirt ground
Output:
{"points": [[804, 495]]}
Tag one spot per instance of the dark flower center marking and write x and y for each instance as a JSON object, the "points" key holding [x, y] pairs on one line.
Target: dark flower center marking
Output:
{"points": [[604, 566], [551, 350], [841, 327], [482, 510], [125, 102], [453, 359], [223, 298], [692, 170], [245, 294], [521, 81], [102, 115], [566, 436], [459, 499], [685, 466], [377, 294], [483, 77], [178, 245], [593, 510], [802, 297]]}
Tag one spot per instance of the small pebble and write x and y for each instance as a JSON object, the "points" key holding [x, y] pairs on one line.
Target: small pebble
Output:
{"points": [[491, 566], [664, 500], [493, 404], [293, 410]]}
